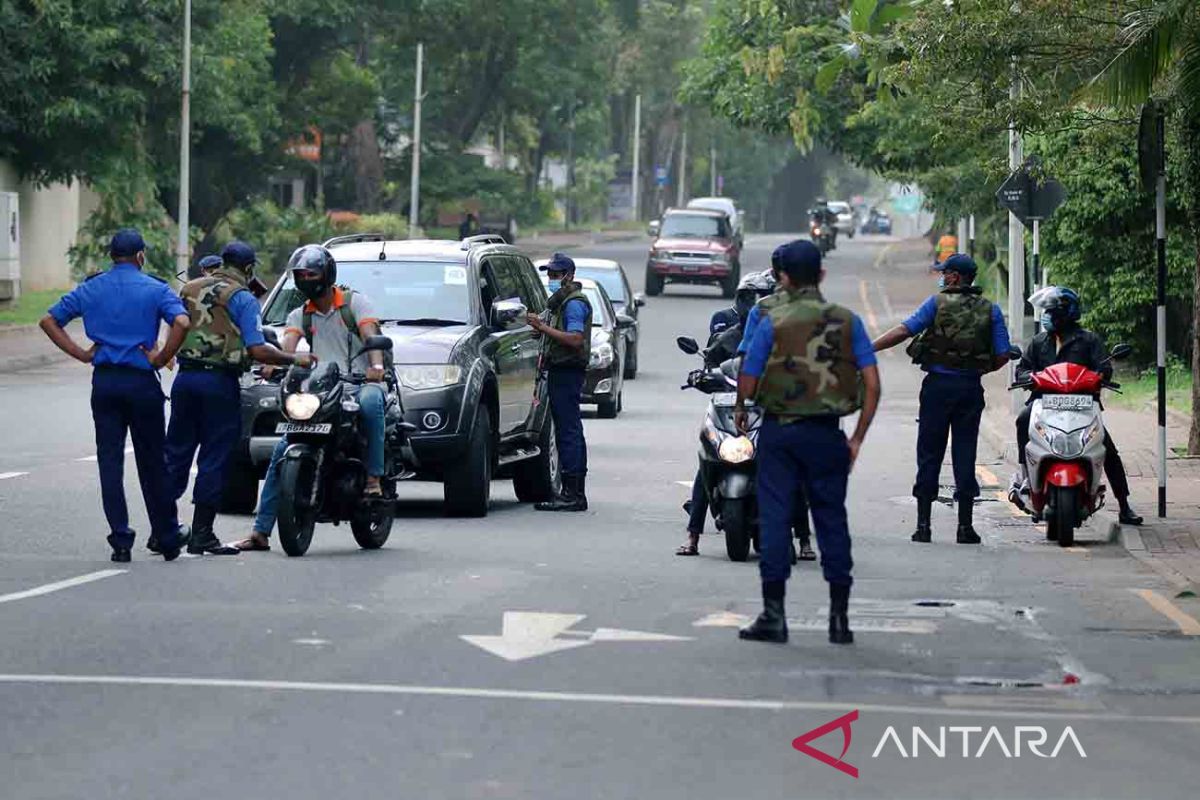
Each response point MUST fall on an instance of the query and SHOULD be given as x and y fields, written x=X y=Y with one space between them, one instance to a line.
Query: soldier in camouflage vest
x=225 y=336
x=960 y=335
x=809 y=364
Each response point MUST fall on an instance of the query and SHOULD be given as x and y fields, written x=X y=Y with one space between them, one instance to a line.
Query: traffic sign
x=1029 y=198
x=660 y=176
x=1149 y=149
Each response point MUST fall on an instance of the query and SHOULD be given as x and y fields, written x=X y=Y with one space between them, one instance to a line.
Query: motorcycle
x=727 y=457
x=323 y=470
x=1065 y=454
x=822 y=235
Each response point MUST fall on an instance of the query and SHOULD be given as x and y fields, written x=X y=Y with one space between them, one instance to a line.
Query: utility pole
x=1160 y=226
x=971 y=236
x=414 y=198
x=1016 y=240
x=712 y=169
x=183 y=248
x=637 y=152
x=568 y=216
x=680 y=192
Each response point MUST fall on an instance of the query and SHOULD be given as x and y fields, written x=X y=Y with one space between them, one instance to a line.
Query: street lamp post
x=637 y=153
x=182 y=248
x=414 y=198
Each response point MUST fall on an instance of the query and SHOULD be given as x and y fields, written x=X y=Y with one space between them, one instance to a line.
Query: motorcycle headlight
x=736 y=450
x=1067 y=445
x=602 y=356
x=428 y=376
x=816 y=231
x=301 y=406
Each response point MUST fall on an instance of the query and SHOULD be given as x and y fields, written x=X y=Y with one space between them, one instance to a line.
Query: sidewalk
x=26 y=347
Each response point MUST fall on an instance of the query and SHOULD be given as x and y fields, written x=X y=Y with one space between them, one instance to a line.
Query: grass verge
x=30 y=308
x=1140 y=390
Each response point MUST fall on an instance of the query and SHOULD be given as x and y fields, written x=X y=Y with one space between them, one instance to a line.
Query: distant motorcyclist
x=825 y=217
x=1063 y=340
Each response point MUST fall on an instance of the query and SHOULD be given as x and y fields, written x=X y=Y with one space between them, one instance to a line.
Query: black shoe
x=172 y=554
x=1128 y=516
x=152 y=544
x=839 y=620
x=571 y=499
x=771 y=624
x=924 y=532
x=122 y=555
x=967 y=535
x=203 y=540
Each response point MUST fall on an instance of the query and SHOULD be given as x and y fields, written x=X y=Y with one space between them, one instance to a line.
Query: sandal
x=252 y=545
x=687 y=549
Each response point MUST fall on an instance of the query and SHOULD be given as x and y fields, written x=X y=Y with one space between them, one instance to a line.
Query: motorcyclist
x=821 y=214
x=1064 y=340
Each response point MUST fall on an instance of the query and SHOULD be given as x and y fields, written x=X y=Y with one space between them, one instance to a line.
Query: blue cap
x=959 y=262
x=239 y=254
x=209 y=262
x=559 y=262
x=126 y=243
x=800 y=254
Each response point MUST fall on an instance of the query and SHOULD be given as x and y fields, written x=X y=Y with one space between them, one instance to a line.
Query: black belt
x=201 y=366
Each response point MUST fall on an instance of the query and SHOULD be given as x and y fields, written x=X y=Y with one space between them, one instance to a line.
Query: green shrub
x=276 y=232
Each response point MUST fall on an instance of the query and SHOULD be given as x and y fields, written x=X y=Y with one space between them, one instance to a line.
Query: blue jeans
x=566 y=392
x=206 y=412
x=811 y=455
x=131 y=401
x=372 y=400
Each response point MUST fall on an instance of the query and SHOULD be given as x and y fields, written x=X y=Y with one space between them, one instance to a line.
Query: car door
x=533 y=295
x=514 y=378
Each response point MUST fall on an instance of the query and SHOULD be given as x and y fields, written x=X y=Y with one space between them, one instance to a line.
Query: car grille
x=684 y=255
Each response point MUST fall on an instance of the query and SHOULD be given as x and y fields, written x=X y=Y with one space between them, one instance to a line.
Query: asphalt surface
x=346 y=674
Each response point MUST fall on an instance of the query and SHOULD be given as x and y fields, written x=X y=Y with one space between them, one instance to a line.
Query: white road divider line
x=57 y=586
x=6 y=475
x=670 y=701
x=128 y=451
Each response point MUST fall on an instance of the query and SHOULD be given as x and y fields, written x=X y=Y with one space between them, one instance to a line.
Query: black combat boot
x=203 y=540
x=572 y=497
x=1128 y=516
x=966 y=519
x=581 y=503
x=839 y=621
x=924 y=512
x=771 y=625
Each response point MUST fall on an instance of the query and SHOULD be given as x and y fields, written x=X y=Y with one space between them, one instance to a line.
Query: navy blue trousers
x=127 y=400
x=566 y=392
x=951 y=406
x=206 y=414
x=811 y=455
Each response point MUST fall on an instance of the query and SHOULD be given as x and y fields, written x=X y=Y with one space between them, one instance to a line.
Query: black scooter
x=323 y=471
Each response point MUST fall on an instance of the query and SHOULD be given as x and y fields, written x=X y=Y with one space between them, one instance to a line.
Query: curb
x=21 y=363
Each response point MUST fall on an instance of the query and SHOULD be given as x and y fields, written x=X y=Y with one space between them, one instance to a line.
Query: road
x=346 y=674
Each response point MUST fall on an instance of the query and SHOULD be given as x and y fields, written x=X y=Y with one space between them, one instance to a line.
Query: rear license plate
x=304 y=427
x=1068 y=402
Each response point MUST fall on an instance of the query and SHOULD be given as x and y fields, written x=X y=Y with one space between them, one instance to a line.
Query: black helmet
x=752 y=288
x=313 y=258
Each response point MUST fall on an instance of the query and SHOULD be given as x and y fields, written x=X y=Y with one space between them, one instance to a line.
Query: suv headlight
x=301 y=406
x=602 y=356
x=720 y=258
x=428 y=376
x=736 y=450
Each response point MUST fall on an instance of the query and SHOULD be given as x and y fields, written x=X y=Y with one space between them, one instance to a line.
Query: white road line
x=688 y=484
x=37 y=591
x=128 y=451
x=6 y=475
x=672 y=701
x=872 y=322
x=889 y=313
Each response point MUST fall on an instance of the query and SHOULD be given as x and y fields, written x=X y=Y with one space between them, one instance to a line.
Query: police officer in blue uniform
x=122 y=309
x=809 y=363
x=567 y=341
x=960 y=337
x=226 y=332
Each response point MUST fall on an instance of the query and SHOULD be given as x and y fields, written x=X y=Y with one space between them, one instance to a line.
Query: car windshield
x=841 y=208
x=695 y=226
x=430 y=292
x=610 y=279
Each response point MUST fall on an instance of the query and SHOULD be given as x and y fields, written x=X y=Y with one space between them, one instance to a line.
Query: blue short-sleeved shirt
x=575 y=316
x=752 y=320
x=755 y=361
x=121 y=311
x=244 y=311
x=922 y=318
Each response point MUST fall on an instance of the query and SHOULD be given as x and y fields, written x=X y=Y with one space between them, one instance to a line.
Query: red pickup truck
x=693 y=246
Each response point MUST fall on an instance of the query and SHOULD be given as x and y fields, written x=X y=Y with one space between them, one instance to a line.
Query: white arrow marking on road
x=688 y=484
x=59 y=585
x=6 y=475
x=527 y=634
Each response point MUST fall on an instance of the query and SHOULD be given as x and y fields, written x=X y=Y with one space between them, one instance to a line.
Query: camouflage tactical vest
x=961 y=334
x=559 y=355
x=213 y=337
x=811 y=371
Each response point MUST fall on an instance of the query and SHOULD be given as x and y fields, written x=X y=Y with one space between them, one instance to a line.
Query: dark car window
x=610 y=279
x=533 y=293
x=695 y=226
x=501 y=281
x=398 y=290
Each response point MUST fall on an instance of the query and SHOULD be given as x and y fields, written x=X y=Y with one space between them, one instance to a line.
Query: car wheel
x=241 y=487
x=654 y=283
x=608 y=409
x=536 y=480
x=467 y=486
x=631 y=362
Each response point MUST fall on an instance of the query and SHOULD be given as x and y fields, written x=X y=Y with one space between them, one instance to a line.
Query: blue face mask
x=554 y=285
x=1047 y=323
x=942 y=281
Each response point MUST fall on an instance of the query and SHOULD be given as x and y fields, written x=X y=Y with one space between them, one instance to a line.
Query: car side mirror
x=508 y=315
x=1121 y=351
x=688 y=345
x=1014 y=353
x=639 y=299
x=654 y=227
x=625 y=321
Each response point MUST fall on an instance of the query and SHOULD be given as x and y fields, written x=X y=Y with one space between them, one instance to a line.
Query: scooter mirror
x=1014 y=353
x=1121 y=351
x=688 y=345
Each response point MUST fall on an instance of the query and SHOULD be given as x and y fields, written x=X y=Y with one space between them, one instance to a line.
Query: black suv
x=465 y=358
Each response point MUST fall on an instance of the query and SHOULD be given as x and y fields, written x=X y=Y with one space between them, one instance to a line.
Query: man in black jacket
x=1062 y=340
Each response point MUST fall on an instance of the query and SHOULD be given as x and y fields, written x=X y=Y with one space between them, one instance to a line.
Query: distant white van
x=725 y=205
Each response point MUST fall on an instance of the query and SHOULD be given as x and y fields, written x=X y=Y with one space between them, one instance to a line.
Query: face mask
x=942 y=281
x=1047 y=323
x=554 y=286
x=311 y=289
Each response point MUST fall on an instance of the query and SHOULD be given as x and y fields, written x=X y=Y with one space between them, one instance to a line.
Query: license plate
x=1068 y=402
x=304 y=427
x=691 y=267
